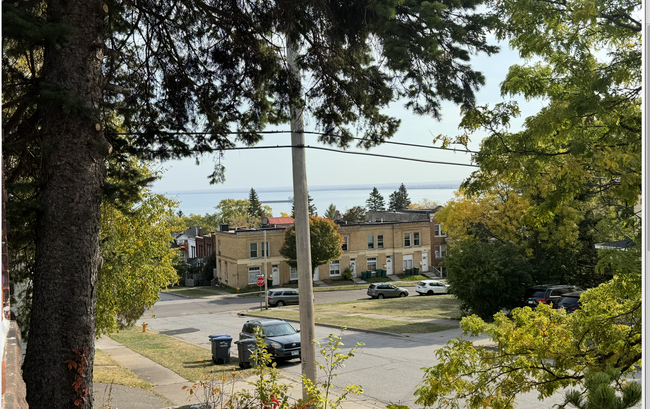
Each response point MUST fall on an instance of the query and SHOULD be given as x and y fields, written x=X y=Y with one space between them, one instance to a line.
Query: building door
x=407 y=261
x=316 y=274
x=425 y=262
x=353 y=266
x=389 y=265
x=275 y=274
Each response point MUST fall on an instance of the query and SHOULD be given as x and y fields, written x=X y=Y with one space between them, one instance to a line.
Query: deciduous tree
x=354 y=214
x=326 y=242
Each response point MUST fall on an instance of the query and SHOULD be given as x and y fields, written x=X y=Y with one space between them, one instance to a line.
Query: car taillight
x=575 y=308
x=522 y=298
x=374 y=291
x=544 y=300
x=270 y=297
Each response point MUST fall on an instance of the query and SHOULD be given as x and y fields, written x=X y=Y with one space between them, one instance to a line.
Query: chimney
x=337 y=216
x=200 y=231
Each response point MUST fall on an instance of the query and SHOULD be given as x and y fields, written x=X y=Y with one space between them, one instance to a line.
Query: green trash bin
x=364 y=275
x=409 y=271
x=416 y=271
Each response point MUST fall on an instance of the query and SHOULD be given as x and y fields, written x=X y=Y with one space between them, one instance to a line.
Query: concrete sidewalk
x=168 y=386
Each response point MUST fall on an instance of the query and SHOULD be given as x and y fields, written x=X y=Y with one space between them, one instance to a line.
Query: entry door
x=425 y=262
x=353 y=266
x=389 y=265
x=275 y=274
x=407 y=261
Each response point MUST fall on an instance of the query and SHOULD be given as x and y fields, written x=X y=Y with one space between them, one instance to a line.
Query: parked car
x=279 y=297
x=569 y=301
x=386 y=290
x=547 y=294
x=431 y=287
x=282 y=340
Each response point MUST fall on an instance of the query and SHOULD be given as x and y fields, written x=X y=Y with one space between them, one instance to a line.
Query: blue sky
x=272 y=167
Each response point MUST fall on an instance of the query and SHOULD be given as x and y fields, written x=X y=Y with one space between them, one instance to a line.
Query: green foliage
x=375 y=202
x=330 y=213
x=254 y=205
x=138 y=261
x=486 y=276
x=542 y=350
x=399 y=199
x=354 y=214
x=325 y=241
x=601 y=394
x=347 y=273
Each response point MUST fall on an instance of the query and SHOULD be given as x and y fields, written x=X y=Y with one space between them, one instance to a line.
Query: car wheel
x=380 y=296
x=402 y=294
x=280 y=304
x=430 y=292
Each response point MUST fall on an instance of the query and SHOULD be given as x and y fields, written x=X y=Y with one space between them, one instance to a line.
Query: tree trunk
x=60 y=350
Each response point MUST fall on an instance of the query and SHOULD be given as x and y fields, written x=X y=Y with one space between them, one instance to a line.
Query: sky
x=272 y=167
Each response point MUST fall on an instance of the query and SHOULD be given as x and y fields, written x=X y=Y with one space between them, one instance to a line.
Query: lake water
x=280 y=199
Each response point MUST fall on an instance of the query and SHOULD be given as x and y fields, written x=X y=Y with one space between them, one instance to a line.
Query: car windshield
x=279 y=330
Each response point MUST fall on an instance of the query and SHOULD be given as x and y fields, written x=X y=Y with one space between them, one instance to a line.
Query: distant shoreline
x=382 y=186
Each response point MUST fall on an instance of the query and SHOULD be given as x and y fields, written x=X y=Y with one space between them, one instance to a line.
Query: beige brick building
x=243 y=254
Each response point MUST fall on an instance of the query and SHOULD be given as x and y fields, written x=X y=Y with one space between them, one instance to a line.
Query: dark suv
x=569 y=301
x=546 y=294
x=282 y=339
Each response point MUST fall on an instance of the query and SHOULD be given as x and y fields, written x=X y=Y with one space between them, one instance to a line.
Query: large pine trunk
x=60 y=349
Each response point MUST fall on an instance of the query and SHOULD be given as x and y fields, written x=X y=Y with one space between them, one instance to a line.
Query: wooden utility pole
x=266 y=276
x=301 y=215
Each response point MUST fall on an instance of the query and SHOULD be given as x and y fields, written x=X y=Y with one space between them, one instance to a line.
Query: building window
x=335 y=268
x=267 y=254
x=344 y=247
x=371 y=263
x=416 y=238
x=407 y=262
x=293 y=275
x=380 y=241
x=441 y=251
x=437 y=231
x=253 y=250
x=253 y=272
x=371 y=242
x=193 y=251
x=407 y=239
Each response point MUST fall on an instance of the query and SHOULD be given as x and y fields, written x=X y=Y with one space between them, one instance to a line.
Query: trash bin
x=245 y=349
x=416 y=271
x=220 y=348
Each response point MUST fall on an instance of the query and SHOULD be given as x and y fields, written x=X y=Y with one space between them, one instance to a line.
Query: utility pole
x=301 y=214
x=265 y=249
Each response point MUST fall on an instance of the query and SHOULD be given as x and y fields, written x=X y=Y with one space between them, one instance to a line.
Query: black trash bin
x=245 y=349
x=220 y=348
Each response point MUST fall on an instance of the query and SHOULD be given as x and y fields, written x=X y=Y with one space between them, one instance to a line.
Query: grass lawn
x=106 y=370
x=187 y=360
x=432 y=307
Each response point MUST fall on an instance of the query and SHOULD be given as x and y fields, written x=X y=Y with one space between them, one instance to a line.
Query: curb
x=370 y=331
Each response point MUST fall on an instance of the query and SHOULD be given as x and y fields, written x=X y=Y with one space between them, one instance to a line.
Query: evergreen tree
x=354 y=214
x=312 y=207
x=375 y=202
x=330 y=213
x=178 y=75
x=254 y=205
x=399 y=199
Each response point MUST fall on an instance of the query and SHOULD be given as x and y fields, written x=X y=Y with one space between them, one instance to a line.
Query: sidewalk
x=168 y=392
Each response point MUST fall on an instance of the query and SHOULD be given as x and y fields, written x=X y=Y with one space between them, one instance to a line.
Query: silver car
x=279 y=297
x=385 y=290
x=431 y=287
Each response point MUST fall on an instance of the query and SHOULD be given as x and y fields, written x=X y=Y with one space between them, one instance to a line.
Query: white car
x=431 y=287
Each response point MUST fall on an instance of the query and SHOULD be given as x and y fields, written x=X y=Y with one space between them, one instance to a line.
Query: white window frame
x=371 y=243
x=371 y=261
x=335 y=268
x=253 y=271
x=293 y=274
x=437 y=231
x=344 y=246
x=250 y=250
x=441 y=251
x=416 y=239
x=380 y=241
x=407 y=236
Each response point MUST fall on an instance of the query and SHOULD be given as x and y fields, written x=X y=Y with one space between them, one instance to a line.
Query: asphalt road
x=388 y=367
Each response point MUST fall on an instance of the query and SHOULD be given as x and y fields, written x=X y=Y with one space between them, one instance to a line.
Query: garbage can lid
x=219 y=336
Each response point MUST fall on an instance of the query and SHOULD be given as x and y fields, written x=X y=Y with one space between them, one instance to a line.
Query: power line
x=310 y=133
x=351 y=153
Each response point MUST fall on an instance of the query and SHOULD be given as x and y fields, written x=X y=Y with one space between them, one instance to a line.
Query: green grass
x=432 y=307
x=187 y=360
x=107 y=370
x=412 y=278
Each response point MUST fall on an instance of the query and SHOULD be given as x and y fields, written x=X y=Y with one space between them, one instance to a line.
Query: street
x=388 y=367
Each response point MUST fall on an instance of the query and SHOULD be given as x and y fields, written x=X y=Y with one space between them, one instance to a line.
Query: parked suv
x=386 y=290
x=430 y=287
x=569 y=301
x=547 y=294
x=282 y=340
x=282 y=296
